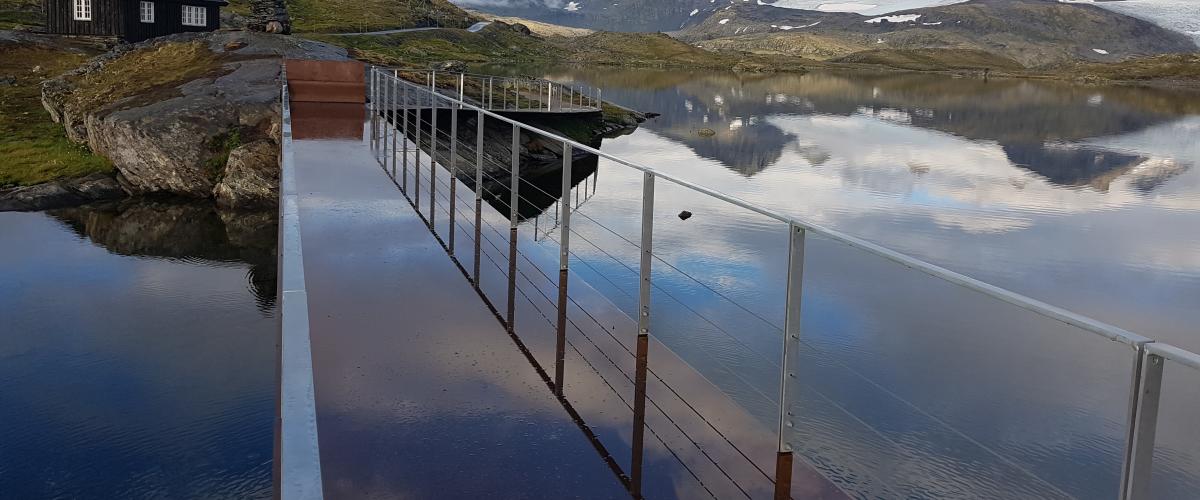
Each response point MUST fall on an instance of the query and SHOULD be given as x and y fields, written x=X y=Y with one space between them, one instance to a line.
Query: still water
x=137 y=352
x=1084 y=197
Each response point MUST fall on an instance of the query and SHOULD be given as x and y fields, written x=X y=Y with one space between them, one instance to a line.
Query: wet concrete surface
x=420 y=392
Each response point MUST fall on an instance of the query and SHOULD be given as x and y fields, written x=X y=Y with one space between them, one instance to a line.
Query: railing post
x=791 y=354
x=517 y=96
x=549 y=95
x=560 y=348
x=453 y=174
x=513 y=213
x=404 y=147
x=1143 y=425
x=417 y=153
x=374 y=105
x=491 y=103
x=388 y=138
x=462 y=86
x=433 y=161
x=643 y=335
x=394 y=124
x=478 y=192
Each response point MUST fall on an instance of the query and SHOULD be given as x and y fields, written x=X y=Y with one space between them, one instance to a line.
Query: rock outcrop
x=251 y=177
x=62 y=193
x=182 y=136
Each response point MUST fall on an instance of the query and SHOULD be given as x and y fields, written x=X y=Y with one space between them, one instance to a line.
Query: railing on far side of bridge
x=397 y=127
x=508 y=93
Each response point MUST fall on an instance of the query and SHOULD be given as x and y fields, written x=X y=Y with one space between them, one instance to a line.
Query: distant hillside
x=1035 y=33
x=537 y=27
x=610 y=15
x=340 y=16
x=671 y=15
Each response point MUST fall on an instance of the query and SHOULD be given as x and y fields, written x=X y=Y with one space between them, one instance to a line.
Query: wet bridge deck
x=400 y=379
x=420 y=393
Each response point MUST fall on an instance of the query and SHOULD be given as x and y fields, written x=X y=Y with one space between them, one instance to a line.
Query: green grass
x=20 y=14
x=494 y=44
x=350 y=16
x=33 y=149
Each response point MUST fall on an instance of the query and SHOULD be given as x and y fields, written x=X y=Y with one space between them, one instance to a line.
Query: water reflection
x=1085 y=197
x=136 y=352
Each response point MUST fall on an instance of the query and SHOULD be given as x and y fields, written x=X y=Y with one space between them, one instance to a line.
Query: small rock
x=685 y=215
x=235 y=45
x=706 y=132
x=37 y=69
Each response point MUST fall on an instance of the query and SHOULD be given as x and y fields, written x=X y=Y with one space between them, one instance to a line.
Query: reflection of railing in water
x=588 y=190
x=507 y=93
x=1148 y=360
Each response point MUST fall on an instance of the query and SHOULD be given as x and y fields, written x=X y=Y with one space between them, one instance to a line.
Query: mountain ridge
x=1035 y=33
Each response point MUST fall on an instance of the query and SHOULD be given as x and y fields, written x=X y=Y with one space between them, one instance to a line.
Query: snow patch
x=694 y=12
x=1100 y=51
x=572 y=6
x=723 y=21
x=901 y=18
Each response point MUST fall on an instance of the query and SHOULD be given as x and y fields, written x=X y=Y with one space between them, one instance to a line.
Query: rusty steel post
x=513 y=203
x=478 y=192
x=453 y=174
x=643 y=335
x=433 y=155
x=560 y=348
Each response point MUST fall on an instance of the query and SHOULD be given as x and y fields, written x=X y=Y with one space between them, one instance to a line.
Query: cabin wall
x=122 y=18
x=107 y=18
x=168 y=19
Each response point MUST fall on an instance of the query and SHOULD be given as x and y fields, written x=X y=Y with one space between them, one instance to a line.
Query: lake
x=137 y=352
x=1084 y=197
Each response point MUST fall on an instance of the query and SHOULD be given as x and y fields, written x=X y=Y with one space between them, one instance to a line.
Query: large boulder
x=251 y=177
x=178 y=135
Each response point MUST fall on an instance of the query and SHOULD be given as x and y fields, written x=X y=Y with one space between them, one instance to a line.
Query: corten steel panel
x=327 y=81
x=420 y=393
x=320 y=120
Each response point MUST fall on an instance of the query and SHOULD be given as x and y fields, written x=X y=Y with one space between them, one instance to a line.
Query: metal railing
x=392 y=99
x=507 y=93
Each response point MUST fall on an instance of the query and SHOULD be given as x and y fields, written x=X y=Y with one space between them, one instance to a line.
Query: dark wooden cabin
x=132 y=20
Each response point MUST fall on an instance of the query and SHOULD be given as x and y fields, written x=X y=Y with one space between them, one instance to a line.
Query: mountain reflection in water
x=1085 y=197
x=137 y=352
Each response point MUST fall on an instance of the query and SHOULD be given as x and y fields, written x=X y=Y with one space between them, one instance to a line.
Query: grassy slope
x=1181 y=69
x=20 y=13
x=351 y=16
x=418 y=48
x=933 y=59
x=33 y=149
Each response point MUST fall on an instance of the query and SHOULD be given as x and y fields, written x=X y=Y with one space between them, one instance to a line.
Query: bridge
x=447 y=329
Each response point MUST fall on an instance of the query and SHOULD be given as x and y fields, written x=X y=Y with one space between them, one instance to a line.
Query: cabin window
x=195 y=16
x=83 y=10
x=147 y=11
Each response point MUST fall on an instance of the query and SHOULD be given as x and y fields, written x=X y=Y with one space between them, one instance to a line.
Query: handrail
x=1176 y=354
x=1111 y=332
